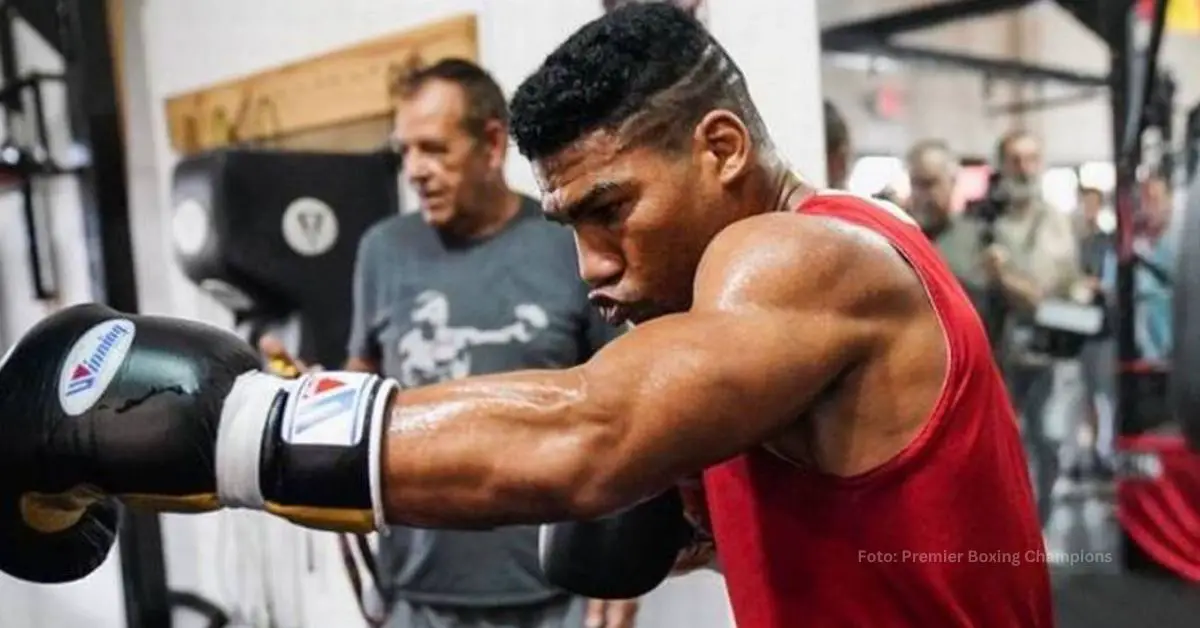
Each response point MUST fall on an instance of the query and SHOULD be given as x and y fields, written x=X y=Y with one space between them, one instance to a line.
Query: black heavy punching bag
x=273 y=235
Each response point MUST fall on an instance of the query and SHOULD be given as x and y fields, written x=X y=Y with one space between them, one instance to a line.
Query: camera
x=988 y=209
x=1058 y=327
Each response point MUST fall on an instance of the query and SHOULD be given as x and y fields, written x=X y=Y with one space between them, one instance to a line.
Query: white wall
x=187 y=45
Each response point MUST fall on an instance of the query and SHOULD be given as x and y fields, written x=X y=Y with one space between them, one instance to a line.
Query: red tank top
x=945 y=534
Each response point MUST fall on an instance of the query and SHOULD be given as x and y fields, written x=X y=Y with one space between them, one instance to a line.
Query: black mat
x=1125 y=600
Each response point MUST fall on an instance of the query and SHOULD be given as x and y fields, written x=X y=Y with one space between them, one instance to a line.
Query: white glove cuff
x=379 y=426
x=240 y=438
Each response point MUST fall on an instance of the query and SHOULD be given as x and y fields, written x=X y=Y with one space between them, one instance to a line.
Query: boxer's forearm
x=536 y=446
x=516 y=448
x=665 y=400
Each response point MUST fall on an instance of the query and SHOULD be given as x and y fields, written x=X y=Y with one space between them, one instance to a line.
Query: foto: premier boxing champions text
x=996 y=557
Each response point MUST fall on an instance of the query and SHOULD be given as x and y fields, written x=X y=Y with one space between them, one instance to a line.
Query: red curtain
x=1158 y=501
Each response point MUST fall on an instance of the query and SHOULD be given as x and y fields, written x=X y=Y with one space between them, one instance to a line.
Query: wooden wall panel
x=334 y=90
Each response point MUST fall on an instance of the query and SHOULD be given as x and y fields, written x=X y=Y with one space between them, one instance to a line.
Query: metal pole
x=1133 y=49
x=1122 y=52
x=1134 y=52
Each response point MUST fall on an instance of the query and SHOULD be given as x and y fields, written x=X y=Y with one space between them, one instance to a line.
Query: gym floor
x=1102 y=600
x=1100 y=594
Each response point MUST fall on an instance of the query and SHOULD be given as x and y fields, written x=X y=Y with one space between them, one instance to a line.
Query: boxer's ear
x=726 y=144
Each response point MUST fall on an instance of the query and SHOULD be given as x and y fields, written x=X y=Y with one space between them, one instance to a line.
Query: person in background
x=476 y=282
x=1034 y=257
x=932 y=169
x=1154 y=250
x=837 y=148
x=1093 y=456
x=1095 y=243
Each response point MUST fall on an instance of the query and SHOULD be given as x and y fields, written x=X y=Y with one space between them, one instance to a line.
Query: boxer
x=809 y=353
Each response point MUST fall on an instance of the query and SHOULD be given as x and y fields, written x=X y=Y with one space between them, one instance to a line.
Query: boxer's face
x=643 y=216
x=445 y=163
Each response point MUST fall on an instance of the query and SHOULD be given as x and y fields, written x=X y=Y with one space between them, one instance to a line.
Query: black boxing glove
x=172 y=415
x=620 y=556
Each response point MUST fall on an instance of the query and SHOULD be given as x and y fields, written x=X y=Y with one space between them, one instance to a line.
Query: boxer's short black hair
x=484 y=99
x=649 y=71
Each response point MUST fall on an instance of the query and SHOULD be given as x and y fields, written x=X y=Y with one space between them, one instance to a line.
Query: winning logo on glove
x=92 y=363
x=327 y=409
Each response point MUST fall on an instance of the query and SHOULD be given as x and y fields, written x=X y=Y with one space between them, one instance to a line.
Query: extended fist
x=91 y=390
x=169 y=415
x=620 y=556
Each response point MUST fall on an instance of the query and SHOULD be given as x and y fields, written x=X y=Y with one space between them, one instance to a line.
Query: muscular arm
x=782 y=305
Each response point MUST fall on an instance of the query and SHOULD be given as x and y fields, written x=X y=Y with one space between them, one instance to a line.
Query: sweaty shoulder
x=793 y=261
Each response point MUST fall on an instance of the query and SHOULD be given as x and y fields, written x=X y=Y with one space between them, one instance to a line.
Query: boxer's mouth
x=612 y=311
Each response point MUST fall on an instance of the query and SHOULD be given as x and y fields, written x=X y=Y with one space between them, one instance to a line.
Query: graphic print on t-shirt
x=433 y=351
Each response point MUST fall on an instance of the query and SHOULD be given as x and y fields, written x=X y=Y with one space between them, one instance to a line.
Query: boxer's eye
x=608 y=214
x=605 y=214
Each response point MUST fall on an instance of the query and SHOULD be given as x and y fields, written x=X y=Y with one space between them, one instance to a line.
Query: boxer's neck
x=787 y=189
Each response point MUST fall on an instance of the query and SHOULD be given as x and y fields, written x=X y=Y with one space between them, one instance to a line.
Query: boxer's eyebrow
x=572 y=211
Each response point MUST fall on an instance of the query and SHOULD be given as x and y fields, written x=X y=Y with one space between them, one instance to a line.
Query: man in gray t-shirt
x=428 y=312
x=477 y=282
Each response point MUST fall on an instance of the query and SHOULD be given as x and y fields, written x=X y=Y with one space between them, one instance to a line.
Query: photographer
x=1031 y=255
x=932 y=170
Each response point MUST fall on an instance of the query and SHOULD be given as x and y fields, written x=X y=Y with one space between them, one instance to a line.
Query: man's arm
x=361 y=347
x=782 y=306
x=1067 y=270
x=1019 y=290
x=361 y=365
x=1056 y=271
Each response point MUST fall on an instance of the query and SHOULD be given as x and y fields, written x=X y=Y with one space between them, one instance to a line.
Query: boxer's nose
x=598 y=265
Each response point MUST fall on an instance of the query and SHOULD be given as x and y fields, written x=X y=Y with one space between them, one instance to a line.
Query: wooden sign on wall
x=338 y=88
